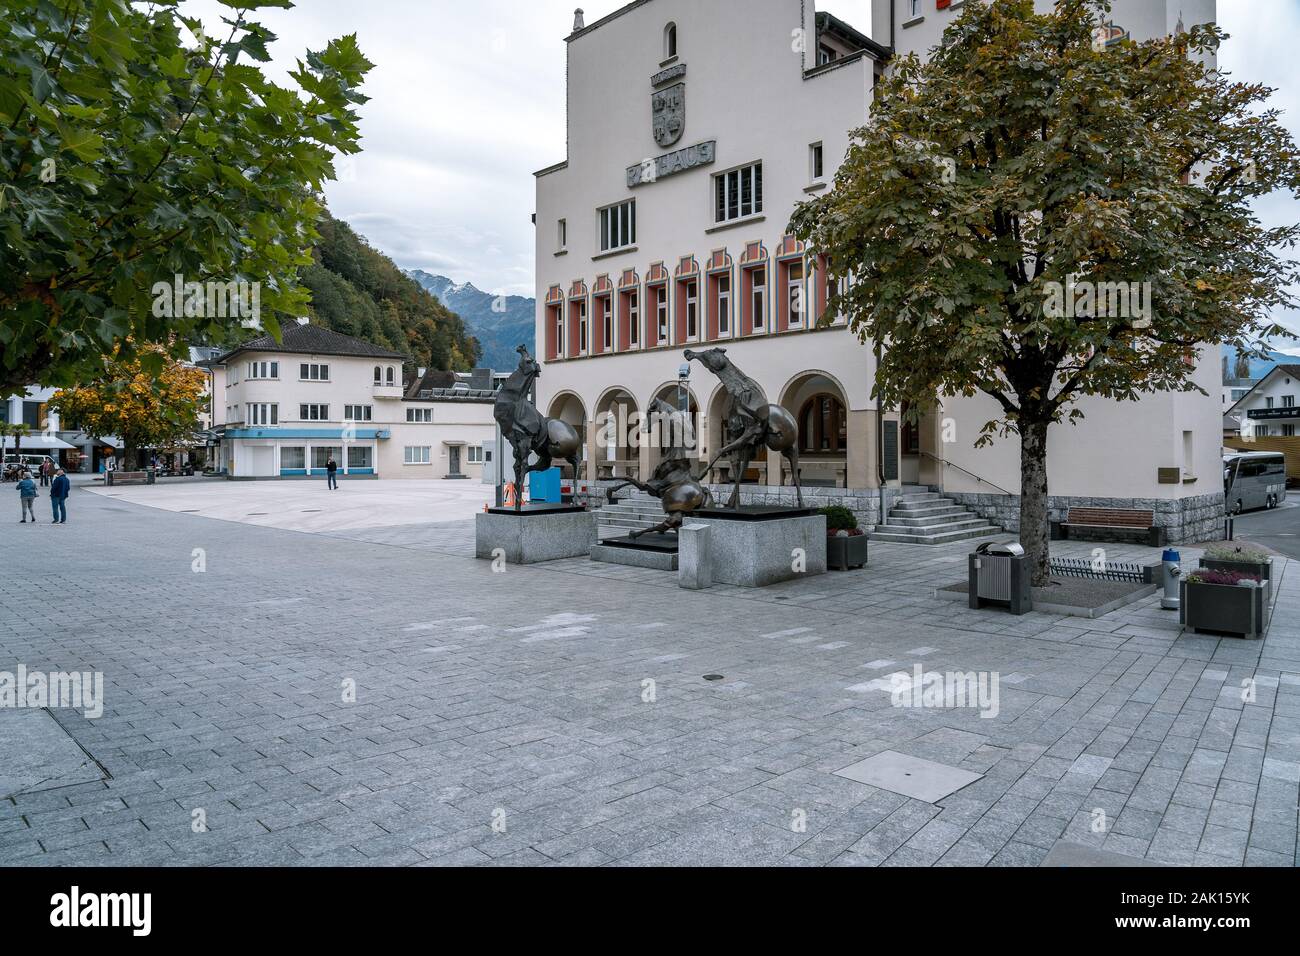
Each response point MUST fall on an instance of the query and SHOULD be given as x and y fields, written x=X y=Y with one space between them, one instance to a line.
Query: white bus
x=1254 y=479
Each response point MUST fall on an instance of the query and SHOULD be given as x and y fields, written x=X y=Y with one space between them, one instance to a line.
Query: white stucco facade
x=744 y=83
x=285 y=413
x=1272 y=408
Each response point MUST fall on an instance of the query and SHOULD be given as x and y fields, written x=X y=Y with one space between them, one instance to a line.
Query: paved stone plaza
x=503 y=717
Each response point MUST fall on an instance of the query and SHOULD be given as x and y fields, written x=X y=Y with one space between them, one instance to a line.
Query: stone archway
x=820 y=406
x=617 y=442
x=569 y=408
x=715 y=437
x=657 y=435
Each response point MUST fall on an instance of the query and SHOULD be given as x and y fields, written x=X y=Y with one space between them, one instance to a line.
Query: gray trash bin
x=999 y=575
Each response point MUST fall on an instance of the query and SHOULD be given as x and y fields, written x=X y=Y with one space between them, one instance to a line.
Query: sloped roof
x=313 y=340
x=1292 y=370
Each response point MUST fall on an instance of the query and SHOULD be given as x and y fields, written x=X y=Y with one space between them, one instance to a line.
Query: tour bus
x=1254 y=479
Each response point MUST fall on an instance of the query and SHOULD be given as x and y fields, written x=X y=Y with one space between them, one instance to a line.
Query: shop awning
x=36 y=442
x=81 y=438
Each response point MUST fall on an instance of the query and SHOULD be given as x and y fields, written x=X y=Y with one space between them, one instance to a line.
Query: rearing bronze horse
x=678 y=489
x=527 y=430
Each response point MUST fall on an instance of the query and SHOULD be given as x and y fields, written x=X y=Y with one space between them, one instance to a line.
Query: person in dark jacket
x=59 y=496
x=27 y=492
x=331 y=473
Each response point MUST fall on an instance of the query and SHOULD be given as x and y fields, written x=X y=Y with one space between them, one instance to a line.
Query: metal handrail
x=944 y=461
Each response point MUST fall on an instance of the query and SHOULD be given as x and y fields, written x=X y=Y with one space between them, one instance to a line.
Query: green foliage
x=1228 y=552
x=359 y=291
x=134 y=148
x=1020 y=158
x=1068 y=161
x=839 y=518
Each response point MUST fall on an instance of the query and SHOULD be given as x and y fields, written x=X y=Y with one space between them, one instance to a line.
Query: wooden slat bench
x=127 y=478
x=1112 y=519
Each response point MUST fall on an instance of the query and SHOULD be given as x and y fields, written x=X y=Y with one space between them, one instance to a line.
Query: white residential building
x=1271 y=409
x=694 y=129
x=290 y=406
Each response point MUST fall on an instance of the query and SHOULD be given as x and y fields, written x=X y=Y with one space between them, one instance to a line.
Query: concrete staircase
x=634 y=510
x=921 y=516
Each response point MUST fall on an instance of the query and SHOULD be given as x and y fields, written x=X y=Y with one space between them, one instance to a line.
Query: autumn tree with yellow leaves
x=147 y=398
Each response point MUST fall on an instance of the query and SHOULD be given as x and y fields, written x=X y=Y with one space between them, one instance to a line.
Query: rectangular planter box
x=1256 y=569
x=1223 y=608
x=845 y=553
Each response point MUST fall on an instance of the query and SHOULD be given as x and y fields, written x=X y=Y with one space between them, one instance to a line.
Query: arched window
x=378 y=378
x=389 y=378
x=823 y=425
x=670 y=41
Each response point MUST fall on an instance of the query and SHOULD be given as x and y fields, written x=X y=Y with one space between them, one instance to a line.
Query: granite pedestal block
x=695 y=557
x=755 y=550
x=535 y=534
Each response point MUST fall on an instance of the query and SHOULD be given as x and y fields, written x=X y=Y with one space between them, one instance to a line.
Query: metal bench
x=128 y=478
x=1110 y=519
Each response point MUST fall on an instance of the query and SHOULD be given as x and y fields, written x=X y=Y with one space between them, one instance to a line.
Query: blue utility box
x=545 y=486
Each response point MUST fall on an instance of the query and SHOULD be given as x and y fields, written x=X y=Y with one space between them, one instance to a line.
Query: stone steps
x=927 y=517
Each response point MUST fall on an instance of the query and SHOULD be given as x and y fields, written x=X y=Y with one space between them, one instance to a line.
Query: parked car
x=15 y=465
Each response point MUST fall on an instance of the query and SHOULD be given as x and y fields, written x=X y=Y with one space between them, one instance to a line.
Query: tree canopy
x=135 y=149
x=1028 y=161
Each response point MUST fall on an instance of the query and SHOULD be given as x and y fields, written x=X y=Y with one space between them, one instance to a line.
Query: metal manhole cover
x=910 y=776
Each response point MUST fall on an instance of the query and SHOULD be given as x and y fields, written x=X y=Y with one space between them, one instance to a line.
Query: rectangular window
x=724 y=305
x=314 y=413
x=1288 y=401
x=794 y=295
x=562 y=234
x=739 y=193
x=358 y=413
x=661 y=312
x=311 y=372
x=294 y=458
x=607 y=322
x=758 y=300
x=633 y=318
x=692 y=311
x=420 y=416
x=1288 y=431
x=475 y=455
x=359 y=456
x=582 y=327
x=1268 y=402
x=417 y=454
x=263 y=370
x=261 y=413
x=320 y=457
x=618 y=226
x=816 y=167
x=825 y=55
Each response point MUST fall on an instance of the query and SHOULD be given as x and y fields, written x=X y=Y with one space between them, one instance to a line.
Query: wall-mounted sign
x=668 y=114
x=701 y=154
x=668 y=75
x=1267 y=414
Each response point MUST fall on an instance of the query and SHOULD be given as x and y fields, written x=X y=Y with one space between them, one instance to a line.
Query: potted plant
x=1227 y=557
x=846 y=543
x=1223 y=602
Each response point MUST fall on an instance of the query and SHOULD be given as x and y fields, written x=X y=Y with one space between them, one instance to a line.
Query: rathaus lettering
x=701 y=154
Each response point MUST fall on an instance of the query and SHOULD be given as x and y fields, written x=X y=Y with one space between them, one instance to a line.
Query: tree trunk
x=1034 y=525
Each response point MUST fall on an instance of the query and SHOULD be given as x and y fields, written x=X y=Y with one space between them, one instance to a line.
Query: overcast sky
x=467 y=101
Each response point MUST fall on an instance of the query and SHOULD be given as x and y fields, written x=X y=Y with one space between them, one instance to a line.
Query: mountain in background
x=359 y=291
x=500 y=323
x=1258 y=367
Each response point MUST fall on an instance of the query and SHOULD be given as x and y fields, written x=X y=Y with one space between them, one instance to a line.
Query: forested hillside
x=359 y=291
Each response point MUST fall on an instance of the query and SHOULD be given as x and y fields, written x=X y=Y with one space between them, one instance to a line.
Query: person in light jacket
x=59 y=496
x=27 y=493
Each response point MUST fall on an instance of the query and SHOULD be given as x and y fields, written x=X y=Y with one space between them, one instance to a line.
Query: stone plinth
x=695 y=557
x=756 y=547
x=535 y=534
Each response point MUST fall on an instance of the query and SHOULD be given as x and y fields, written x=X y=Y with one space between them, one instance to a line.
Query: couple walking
x=59 y=489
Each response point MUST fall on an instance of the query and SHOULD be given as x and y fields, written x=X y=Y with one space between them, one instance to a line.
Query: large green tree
x=135 y=148
x=1028 y=158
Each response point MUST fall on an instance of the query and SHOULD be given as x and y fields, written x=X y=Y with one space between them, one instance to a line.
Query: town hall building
x=693 y=131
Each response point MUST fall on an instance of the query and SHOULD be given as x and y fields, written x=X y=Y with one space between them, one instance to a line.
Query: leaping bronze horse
x=527 y=430
x=678 y=489
x=749 y=422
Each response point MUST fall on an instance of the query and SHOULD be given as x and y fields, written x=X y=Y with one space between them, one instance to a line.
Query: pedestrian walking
x=331 y=473
x=27 y=492
x=59 y=496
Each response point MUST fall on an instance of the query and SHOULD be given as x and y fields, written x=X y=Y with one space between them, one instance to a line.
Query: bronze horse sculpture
x=749 y=422
x=527 y=430
x=680 y=491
